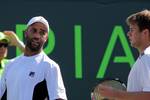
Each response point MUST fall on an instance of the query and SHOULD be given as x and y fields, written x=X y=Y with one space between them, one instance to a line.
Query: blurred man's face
x=134 y=35
x=3 y=49
x=36 y=36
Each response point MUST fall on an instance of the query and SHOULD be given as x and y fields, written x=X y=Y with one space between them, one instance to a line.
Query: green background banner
x=87 y=38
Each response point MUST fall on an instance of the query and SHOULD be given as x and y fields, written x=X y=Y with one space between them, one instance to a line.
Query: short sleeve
x=145 y=74
x=55 y=83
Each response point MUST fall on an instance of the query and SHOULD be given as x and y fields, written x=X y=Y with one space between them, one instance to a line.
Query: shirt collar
x=146 y=51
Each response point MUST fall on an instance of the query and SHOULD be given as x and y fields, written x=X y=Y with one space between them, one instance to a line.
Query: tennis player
x=33 y=75
x=138 y=87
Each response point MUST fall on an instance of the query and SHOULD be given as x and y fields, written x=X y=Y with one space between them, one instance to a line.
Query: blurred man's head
x=139 y=32
x=3 y=45
x=141 y=19
x=36 y=33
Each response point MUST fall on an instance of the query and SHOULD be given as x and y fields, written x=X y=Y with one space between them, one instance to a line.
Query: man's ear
x=46 y=37
x=25 y=32
x=146 y=34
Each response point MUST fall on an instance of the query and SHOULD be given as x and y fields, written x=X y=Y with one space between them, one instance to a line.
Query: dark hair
x=142 y=19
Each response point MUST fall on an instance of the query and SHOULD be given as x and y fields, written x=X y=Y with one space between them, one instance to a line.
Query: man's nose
x=128 y=34
x=36 y=35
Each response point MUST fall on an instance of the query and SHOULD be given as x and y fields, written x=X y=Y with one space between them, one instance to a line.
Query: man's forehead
x=133 y=25
x=38 y=25
x=40 y=19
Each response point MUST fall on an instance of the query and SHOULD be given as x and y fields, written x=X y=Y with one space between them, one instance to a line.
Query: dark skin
x=36 y=36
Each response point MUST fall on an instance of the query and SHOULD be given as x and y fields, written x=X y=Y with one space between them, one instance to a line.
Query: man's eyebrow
x=131 y=28
x=43 y=30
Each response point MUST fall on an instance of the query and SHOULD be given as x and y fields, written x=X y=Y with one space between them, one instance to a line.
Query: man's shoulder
x=13 y=60
x=10 y=63
x=49 y=61
x=145 y=59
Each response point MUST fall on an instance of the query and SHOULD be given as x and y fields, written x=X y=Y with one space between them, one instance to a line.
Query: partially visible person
x=14 y=40
x=33 y=75
x=8 y=38
x=138 y=87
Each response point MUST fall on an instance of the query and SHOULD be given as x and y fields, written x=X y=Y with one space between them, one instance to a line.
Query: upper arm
x=144 y=74
x=55 y=83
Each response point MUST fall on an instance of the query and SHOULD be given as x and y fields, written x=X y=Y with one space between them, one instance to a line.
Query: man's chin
x=133 y=45
x=34 y=49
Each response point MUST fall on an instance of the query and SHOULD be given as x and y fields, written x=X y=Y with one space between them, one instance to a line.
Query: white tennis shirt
x=24 y=74
x=139 y=76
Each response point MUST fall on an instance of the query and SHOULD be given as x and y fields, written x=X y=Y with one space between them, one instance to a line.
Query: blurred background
x=87 y=38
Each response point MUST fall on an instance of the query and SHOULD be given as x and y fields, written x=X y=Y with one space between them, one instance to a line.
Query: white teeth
x=35 y=43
